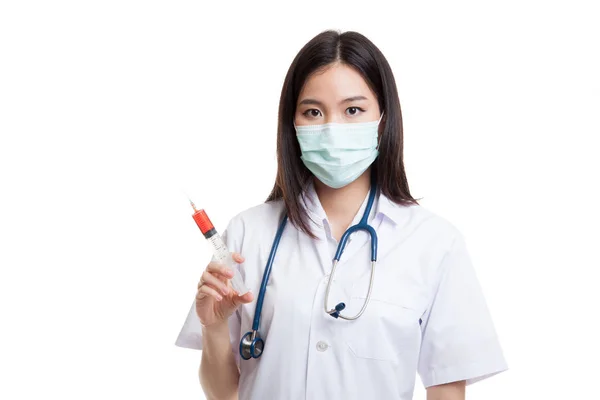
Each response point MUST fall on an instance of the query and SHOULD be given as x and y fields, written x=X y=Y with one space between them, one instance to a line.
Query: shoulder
x=426 y=226
x=436 y=223
x=435 y=241
x=444 y=243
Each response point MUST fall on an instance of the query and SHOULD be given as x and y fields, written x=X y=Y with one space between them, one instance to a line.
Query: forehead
x=335 y=82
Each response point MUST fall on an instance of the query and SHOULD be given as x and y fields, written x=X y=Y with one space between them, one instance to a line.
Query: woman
x=339 y=139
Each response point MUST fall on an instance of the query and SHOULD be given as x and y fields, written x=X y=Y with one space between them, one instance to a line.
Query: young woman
x=352 y=329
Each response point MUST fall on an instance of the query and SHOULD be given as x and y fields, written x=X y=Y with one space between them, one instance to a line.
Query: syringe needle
x=192 y=203
x=190 y=200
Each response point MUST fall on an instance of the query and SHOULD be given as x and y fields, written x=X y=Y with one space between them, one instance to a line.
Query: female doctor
x=352 y=328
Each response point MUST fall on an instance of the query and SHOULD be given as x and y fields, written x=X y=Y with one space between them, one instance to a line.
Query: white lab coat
x=427 y=314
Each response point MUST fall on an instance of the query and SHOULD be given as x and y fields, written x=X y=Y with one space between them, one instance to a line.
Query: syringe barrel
x=222 y=255
x=220 y=250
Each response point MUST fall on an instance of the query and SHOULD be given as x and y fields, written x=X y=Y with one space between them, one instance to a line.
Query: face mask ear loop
x=379 y=138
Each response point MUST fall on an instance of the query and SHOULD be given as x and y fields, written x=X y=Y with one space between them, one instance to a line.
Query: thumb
x=237 y=257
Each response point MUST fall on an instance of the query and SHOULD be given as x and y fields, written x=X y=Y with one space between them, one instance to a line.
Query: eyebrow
x=318 y=103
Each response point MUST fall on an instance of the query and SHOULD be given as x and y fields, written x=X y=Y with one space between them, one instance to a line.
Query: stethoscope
x=251 y=345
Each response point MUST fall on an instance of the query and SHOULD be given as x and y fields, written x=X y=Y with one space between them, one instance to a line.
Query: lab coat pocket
x=388 y=326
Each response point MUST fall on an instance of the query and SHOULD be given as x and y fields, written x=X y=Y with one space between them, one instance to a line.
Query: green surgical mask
x=337 y=154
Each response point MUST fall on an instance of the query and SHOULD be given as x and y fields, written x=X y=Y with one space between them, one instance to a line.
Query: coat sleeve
x=459 y=341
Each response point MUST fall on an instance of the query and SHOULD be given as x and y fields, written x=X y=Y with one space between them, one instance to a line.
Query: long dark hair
x=354 y=50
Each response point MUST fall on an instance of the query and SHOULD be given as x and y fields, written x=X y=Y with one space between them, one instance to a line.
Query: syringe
x=220 y=250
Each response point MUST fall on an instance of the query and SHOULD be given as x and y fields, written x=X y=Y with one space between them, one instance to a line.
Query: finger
x=246 y=298
x=221 y=269
x=207 y=290
x=211 y=280
x=238 y=258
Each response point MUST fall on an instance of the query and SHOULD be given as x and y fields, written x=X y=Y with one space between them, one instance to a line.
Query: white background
x=108 y=109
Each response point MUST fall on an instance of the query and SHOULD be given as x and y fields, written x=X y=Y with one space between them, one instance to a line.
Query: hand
x=216 y=299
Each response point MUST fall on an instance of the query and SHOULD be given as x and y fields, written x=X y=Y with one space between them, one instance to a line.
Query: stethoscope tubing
x=267 y=273
x=361 y=226
x=251 y=345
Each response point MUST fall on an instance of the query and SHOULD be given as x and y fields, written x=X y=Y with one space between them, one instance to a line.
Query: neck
x=341 y=205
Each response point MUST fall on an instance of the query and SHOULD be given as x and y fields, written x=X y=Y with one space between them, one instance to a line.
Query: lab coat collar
x=393 y=212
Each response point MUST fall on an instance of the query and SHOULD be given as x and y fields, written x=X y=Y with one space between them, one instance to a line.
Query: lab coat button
x=322 y=346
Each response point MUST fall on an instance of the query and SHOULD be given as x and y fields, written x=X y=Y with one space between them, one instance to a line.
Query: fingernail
x=219 y=297
x=225 y=291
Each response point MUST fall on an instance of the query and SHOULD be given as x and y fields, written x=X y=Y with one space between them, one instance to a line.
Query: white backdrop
x=108 y=109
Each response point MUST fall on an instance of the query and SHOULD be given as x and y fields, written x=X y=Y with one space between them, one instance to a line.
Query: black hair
x=358 y=52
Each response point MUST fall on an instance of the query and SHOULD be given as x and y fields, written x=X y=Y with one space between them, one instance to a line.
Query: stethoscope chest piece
x=251 y=346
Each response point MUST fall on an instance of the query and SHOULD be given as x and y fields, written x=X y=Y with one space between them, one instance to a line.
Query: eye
x=312 y=112
x=354 y=110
